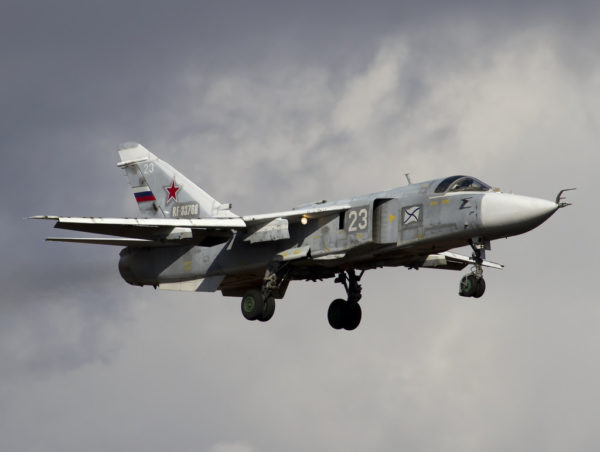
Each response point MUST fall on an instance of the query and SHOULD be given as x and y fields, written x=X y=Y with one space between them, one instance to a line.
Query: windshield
x=461 y=183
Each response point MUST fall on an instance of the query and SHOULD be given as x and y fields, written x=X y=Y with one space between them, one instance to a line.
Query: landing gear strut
x=473 y=284
x=347 y=314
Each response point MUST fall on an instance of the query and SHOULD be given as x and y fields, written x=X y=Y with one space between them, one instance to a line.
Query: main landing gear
x=347 y=314
x=255 y=306
x=259 y=304
x=473 y=284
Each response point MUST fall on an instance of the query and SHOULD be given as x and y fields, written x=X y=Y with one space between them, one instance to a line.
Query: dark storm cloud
x=309 y=98
x=105 y=55
x=104 y=65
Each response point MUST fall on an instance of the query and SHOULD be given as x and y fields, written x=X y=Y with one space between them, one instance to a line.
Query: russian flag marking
x=144 y=196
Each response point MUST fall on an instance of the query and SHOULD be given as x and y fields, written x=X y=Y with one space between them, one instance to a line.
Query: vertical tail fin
x=162 y=191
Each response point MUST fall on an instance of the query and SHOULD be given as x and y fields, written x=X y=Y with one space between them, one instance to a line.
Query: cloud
x=482 y=109
x=369 y=96
x=62 y=323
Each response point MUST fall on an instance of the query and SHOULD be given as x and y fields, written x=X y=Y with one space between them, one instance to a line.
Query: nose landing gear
x=347 y=314
x=473 y=284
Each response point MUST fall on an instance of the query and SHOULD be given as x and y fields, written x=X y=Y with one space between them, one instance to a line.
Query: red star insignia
x=172 y=191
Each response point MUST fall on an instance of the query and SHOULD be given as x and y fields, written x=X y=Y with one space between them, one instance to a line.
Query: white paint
x=499 y=210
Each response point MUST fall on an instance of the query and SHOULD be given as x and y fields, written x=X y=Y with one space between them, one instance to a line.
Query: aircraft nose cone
x=507 y=214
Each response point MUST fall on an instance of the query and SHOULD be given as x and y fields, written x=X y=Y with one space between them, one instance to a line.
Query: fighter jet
x=185 y=240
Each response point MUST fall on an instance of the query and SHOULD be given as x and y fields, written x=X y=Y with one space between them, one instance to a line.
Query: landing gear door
x=385 y=221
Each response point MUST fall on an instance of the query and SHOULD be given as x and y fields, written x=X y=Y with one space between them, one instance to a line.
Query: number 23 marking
x=359 y=219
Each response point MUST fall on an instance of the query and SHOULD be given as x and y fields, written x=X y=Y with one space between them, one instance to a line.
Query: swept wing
x=161 y=231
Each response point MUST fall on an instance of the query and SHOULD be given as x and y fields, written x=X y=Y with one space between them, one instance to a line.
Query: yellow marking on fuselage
x=420 y=236
x=392 y=217
x=445 y=201
x=433 y=203
x=187 y=266
x=359 y=236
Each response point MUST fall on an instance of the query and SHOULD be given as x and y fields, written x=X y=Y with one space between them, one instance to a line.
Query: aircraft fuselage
x=391 y=228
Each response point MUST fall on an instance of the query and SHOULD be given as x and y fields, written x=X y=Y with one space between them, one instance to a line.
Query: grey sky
x=267 y=105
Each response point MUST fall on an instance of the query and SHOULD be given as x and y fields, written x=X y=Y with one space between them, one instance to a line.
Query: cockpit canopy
x=461 y=183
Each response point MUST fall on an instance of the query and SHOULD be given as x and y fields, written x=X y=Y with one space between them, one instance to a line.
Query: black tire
x=335 y=314
x=468 y=286
x=352 y=315
x=480 y=289
x=269 y=309
x=253 y=305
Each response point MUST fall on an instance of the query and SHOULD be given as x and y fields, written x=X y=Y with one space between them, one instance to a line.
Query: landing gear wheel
x=269 y=309
x=253 y=305
x=480 y=289
x=335 y=314
x=468 y=286
x=352 y=315
x=347 y=313
x=344 y=314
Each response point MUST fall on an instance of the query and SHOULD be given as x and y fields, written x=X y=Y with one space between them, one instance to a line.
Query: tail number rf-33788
x=185 y=210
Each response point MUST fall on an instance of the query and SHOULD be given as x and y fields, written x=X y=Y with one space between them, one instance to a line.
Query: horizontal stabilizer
x=229 y=223
x=145 y=228
x=115 y=242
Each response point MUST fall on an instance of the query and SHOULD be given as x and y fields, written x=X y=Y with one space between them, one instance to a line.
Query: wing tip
x=43 y=217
